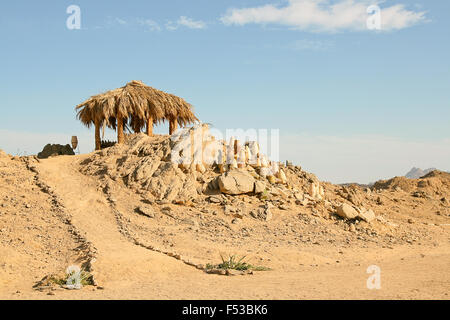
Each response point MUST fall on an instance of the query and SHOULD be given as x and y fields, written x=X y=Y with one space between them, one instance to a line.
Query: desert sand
x=151 y=238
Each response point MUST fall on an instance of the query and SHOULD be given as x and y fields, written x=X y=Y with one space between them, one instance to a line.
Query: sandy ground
x=51 y=216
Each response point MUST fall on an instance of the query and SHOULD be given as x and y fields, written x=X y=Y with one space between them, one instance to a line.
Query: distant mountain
x=416 y=173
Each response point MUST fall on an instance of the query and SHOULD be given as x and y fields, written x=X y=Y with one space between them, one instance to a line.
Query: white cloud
x=149 y=24
x=363 y=158
x=190 y=23
x=185 y=22
x=324 y=15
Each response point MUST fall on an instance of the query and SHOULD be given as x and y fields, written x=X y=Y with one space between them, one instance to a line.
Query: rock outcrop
x=236 y=182
x=51 y=150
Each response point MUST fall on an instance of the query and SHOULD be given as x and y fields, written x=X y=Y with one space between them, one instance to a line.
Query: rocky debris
x=419 y=194
x=268 y=214
x=346 y=211
x=349 y=212
x=299 y=196
x=316 y=191
x=260 y=187
x=304 y=202
x=366 y=215
x=146 y=211
x=262 y=213
x=221 y=272
x=228 y=209
x=353 y=194
x=236 y=182
x=51 y=150
x=218 y=199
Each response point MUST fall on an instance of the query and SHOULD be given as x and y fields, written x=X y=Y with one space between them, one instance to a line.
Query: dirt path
x=118 y=259
x=129 y=271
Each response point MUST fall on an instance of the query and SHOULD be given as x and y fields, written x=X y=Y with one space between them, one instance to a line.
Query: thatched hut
x=137 y=105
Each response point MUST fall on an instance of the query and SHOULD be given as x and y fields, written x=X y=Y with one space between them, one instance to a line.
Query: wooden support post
x=173 y=124
x=136 y=128
x=120 y=133
x=150 y=126
x=98 y=142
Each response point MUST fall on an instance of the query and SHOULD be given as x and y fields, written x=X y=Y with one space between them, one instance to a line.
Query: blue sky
x=351 y=104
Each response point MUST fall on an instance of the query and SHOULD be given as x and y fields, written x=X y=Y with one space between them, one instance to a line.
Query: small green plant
x=72 y=278
x=85 y=278
x=57 y=280
x=235 y=263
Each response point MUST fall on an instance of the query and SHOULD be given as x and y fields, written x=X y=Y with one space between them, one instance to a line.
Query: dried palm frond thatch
x=136 y=105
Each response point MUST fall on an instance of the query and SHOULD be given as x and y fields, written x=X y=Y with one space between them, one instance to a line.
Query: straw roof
x=135 y=103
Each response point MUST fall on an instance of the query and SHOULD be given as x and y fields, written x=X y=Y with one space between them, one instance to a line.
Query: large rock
x=236 y=182
x=347 y=211
x=260 y=187
x=51 y=150
x=367 y=215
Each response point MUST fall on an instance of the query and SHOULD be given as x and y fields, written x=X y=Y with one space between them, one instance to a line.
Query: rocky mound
x=435 y=183
x=396 y=183
x=51 y=150
x=445 y=176
x=155 y=168
x=146 y=165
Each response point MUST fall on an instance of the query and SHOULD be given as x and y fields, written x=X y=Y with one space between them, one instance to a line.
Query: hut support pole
x=150 y=126
x=98 y=144
x=136 y=129
x=120 y=134
x=173 y=125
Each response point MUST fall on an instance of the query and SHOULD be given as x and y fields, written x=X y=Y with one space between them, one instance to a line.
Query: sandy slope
x=126 y=269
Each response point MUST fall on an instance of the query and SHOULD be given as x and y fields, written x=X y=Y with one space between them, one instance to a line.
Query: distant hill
x=416 y=173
